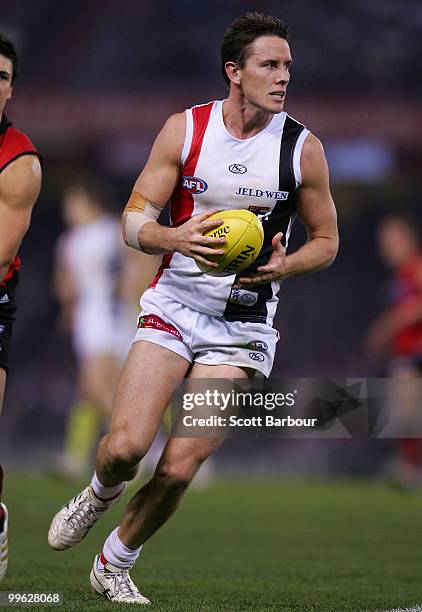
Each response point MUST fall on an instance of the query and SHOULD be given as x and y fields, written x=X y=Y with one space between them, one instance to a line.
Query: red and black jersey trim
x=278 y=220
x=13 y=144
x=11 y=277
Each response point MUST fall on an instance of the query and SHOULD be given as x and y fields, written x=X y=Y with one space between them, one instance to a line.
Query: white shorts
x=98 y=331
x=204 y=338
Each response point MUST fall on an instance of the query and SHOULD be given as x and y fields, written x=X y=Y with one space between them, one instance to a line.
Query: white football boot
x=3 y=544
x=115 y=584
x=75 y=519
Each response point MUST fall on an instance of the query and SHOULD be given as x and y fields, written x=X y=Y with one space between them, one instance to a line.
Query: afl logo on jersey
x=238 y=169
x=258 y=345
x=194 y=185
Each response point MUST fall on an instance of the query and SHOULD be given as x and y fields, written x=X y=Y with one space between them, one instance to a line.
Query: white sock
x=116 y=553
x=105 y=493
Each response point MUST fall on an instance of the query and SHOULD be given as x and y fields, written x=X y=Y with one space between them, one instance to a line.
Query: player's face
x=78 y=207
x=6 y=71
x=266 y=73
x=396 y=242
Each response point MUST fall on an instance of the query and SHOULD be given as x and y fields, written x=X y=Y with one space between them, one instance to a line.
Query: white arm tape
x=134 y=222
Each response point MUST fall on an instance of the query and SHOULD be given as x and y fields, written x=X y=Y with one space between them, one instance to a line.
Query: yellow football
x=244 y=236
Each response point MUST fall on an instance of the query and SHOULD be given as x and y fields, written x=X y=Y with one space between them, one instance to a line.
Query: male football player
x=20 y=183
x=244 y=152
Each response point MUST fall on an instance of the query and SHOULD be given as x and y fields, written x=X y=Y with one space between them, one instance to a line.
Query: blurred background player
x=397 y=334
x=98 y=294
x=20 y=183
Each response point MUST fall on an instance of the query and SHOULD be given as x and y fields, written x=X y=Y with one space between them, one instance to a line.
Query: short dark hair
x=240 y=35
x=406 y=219
x=8 y=50
x=94 y=188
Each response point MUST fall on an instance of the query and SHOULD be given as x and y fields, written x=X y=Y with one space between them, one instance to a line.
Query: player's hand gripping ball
x=244 y=236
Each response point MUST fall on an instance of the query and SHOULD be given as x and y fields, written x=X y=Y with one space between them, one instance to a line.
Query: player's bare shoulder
x=159 y=177
x=20 y=181
x=313 y=163
x=171 y=138
x=175 y=125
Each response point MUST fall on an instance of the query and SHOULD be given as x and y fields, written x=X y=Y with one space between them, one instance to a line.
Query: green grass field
x=238 y=546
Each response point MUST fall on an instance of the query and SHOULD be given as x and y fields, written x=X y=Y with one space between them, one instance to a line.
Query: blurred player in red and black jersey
x=397 y=332
x=20 y=182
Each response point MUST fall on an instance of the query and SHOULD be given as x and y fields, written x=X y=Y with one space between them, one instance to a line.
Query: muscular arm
x=63 y=285
x=156 y=184
x=20 y=185
x=315 y=207
x=158 y=180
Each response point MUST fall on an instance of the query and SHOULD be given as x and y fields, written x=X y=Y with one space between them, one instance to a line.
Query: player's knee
x=123 y=451
x=175 y=477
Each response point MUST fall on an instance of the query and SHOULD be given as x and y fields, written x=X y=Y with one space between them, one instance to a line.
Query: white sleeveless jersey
x=92 y=253
x=221 y=172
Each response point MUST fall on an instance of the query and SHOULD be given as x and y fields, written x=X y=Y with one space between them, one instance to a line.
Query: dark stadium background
x=97 y=80
x=308 y=525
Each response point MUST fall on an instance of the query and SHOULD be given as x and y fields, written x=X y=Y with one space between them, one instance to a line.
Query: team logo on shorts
x=258 y=345
x=243 y=297
x=238 y=169
x=257 y=356
x=151 y=321
x=194 y=185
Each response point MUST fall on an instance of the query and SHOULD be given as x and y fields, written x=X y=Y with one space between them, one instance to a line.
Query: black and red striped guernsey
x=13 y=144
